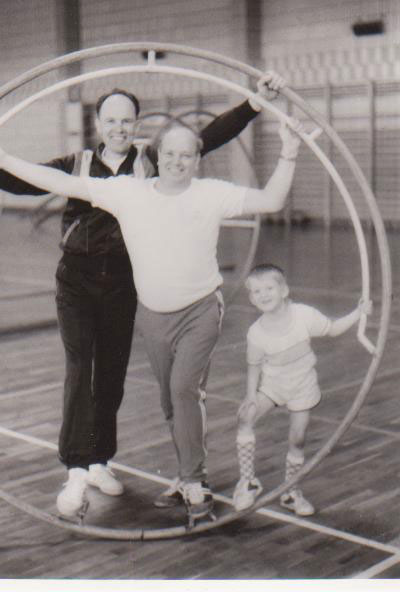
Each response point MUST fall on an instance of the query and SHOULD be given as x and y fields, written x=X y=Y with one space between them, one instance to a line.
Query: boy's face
x=267 y=293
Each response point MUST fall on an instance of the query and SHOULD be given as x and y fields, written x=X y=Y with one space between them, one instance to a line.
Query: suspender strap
x=82 y=163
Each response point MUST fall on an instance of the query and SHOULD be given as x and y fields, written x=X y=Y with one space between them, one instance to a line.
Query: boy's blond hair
x=264 y=269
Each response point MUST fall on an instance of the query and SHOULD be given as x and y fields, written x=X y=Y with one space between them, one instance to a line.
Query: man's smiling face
x=178 y=157
x=116 y=124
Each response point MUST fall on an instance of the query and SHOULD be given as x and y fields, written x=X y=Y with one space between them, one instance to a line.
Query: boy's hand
x=365 y=306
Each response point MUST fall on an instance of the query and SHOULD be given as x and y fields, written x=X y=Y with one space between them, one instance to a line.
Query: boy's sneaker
x=171 y=497
x=198 y=498
x=246 y=492
x=296 y=502
x=72 y=497
x=102 y=477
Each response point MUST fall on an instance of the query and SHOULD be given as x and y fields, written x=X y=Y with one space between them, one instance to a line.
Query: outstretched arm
x=343 y=324
x=17 y=186
x=44 y=177
x=230 y=124
x=272 y=198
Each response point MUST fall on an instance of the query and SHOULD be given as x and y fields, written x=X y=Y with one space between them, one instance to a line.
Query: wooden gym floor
x=355 y=532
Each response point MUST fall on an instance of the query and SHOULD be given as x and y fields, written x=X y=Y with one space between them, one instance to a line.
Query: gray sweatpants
x=179 y=346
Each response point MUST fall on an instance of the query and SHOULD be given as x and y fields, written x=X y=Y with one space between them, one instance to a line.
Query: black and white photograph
x=199 y=295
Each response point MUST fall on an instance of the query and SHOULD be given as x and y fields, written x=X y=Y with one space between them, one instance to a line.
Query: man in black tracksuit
x=96 y=297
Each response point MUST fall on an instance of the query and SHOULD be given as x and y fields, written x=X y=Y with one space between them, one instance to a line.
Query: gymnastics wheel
x=376 y=350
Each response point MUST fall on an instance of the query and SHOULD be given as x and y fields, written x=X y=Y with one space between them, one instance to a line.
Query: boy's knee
x=245 y=437
x=247 y=413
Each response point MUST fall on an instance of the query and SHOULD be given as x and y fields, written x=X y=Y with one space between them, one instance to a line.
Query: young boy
x=281 y=372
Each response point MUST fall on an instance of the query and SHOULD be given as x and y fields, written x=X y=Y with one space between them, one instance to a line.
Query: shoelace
x=194 y=493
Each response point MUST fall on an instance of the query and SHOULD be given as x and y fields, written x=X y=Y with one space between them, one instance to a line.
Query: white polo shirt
x=171 y=239
x=288 y=362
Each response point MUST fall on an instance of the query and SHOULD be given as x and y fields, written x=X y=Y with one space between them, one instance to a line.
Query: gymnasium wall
x=310 y=42
x=28 y=37
x=354 y=81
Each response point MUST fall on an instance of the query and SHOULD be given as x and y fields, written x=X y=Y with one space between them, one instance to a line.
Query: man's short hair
x=266 y=268
x=178 y=125
x=118 y=91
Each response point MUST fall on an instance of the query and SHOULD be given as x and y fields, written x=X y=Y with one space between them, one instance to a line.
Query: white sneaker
x=198 y=497
x=102 y=477
x=245 y=493
x=170 y=497
x=72 y=497
x=296 y=502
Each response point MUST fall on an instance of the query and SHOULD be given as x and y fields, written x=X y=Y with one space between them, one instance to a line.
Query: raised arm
x=230 y=124
x=272 y=198
x=46 y=178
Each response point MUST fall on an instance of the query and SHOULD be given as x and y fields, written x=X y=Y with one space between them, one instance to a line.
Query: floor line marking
x=25 y=295
x=229 y=346
x=378 y=568
x=31 y=390
x=380 y=376
x=383 y=375
x=145 y=365
x=301 y=522
x=360 y=426
x=329 y=390
x=27 y=438
x=28 y=281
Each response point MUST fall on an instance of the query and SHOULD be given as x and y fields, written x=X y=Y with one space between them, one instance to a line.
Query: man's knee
x=185 y=388
x=167 y=409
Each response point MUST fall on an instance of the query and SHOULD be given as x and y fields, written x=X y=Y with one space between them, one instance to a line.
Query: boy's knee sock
x=246 y=446
x=293 y=466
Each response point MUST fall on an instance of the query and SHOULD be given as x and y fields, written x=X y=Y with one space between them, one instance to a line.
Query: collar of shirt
x=125 y=166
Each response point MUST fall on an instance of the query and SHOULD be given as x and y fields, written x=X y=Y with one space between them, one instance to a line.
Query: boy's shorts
x=302 y=402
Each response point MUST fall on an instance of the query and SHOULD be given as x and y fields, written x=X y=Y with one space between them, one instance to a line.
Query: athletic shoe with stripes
x=198 y=498
x=72 y=498
x=102 y=477
x=297 y=503
x=171 y=497
x=246 y=492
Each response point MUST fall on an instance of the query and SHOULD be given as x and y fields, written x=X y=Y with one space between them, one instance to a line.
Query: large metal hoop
x=309 y=139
